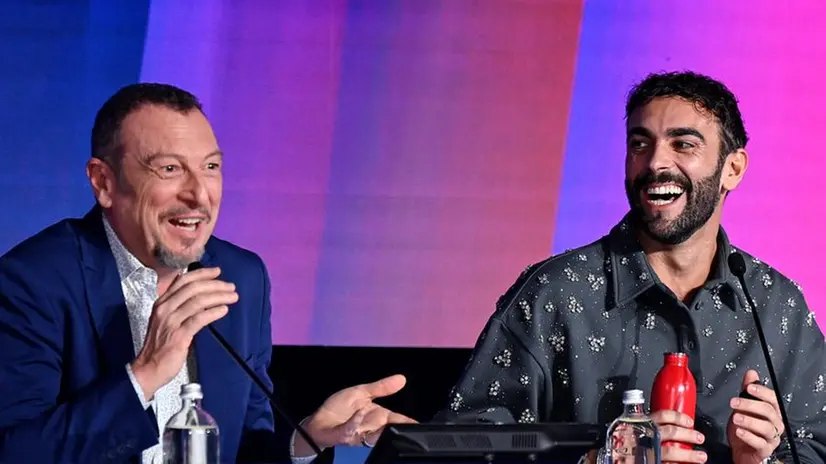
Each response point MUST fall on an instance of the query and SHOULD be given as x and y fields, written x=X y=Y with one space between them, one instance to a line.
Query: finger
x=191 y=289
x=672 y=417
x=384 y=387
x=750 y=377
x=371 y=438
x=396 y=418
x=180 y=280
x=197 y=322
x=763 y=393
x=670 y=432
x=348 y=432
x=376 y=421
x=758 y=409
x=186 y=293
x=677 y=454
x=755 y=442
x=760 y=427
x=378 y=416
x=199 y=303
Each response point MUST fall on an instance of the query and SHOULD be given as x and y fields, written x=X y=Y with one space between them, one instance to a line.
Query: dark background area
x=304 y=376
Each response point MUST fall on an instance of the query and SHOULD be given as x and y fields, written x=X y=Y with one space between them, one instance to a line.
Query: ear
x=103 y=180
x=734 y=169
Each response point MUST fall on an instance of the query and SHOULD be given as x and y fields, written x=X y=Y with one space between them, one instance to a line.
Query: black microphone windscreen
x=194 y=266
x=737 y=264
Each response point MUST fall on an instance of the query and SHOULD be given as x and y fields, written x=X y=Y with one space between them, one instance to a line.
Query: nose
x=195 y=192
x=660 y=157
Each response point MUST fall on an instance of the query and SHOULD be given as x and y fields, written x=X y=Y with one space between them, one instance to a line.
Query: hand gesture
x=677 y=427
x=194 y=300
x=349 y=416
x=755 y=425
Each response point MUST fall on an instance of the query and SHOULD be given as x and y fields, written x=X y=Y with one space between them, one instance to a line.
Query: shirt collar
x=632 y=275
x=128 y=264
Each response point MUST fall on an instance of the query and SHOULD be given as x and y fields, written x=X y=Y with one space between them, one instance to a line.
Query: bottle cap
x=680 y=359
x=633 y=397
x=192 y=391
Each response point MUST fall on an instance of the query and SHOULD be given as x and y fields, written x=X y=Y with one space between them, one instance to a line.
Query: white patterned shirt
x=140 y=290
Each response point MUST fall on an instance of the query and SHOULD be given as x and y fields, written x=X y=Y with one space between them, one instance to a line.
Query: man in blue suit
x=101 y=325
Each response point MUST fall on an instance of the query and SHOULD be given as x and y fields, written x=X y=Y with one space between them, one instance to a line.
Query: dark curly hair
x=705 y=93
x=106 y=143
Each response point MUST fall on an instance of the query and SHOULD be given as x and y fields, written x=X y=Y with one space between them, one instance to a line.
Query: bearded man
x=578 y=329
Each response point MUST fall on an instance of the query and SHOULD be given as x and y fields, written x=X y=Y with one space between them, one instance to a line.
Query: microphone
x=257 y=380
x=737 y=265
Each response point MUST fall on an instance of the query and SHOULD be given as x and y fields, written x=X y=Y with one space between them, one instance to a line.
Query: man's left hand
x=350 y=417
x=755 y=426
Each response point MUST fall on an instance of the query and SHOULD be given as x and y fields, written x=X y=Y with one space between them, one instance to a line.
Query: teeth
x=665 y=190
x=186 y=223
x=661 y=202
x=190 y=222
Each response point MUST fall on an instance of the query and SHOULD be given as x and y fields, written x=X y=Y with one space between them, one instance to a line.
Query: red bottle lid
x=676 y=359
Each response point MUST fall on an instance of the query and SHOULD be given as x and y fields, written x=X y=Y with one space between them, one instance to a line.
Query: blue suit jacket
x=65 y=340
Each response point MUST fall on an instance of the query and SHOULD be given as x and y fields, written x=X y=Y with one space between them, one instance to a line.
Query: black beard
x=702 y=198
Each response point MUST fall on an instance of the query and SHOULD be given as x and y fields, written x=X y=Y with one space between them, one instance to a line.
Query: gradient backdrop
x=398 y=163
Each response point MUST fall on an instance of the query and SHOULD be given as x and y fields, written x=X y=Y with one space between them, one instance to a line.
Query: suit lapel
x=107 y=307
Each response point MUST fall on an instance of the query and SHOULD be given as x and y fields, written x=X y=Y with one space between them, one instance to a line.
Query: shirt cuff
x=137 y=387
x=301 y=459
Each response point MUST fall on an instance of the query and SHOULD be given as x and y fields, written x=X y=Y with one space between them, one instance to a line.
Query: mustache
x=203 y=211
x=662 y=178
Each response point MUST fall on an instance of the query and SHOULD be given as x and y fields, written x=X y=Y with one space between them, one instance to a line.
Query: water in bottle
x=632 y=438
x=191 y=435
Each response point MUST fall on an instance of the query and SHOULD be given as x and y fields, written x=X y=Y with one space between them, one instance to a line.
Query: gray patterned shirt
x=578 y=329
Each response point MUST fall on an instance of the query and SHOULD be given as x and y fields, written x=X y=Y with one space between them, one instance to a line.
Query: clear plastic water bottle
x=632 y=438
x=191 y=435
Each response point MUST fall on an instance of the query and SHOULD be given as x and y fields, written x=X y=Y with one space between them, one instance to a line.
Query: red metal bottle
x=675 y=390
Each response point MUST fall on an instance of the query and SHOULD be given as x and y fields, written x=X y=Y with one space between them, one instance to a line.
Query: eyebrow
x=673 y=132
x=154 y=156
x=683 y=131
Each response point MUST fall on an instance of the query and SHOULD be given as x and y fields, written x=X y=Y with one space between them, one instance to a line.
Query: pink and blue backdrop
x=398 y=163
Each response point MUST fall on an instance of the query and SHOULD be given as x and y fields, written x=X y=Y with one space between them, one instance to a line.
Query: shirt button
x=691 y=345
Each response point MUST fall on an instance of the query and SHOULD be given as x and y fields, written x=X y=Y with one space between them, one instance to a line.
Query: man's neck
x=685 y=267
x=165 y=275
x=165 y=278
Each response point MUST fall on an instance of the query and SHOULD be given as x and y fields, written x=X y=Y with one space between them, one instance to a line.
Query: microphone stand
x=737 y=264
